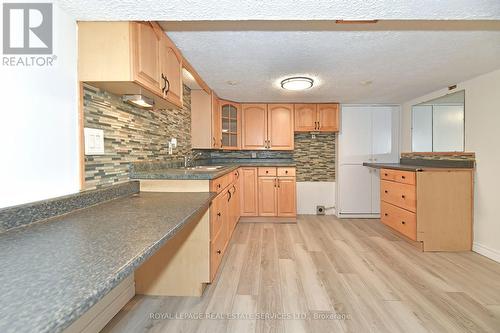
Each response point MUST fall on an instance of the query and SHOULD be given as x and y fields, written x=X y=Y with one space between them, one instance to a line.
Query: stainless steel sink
x=205 y=168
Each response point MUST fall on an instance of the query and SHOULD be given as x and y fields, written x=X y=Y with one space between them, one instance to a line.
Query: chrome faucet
x=189 y=159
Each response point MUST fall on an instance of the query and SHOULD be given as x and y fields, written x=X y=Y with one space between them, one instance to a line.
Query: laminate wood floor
x=328 y=275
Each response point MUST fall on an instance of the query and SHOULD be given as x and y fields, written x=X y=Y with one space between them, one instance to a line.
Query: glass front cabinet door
x=231 y=125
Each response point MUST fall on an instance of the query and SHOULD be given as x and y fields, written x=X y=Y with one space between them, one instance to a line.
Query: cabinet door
x=280 y=126
x=267 y=196
x=249 y=192
x=385 y=134
x=216 y=123
x=287 y=196
x=254 y=126
x=170 y=67
x=355 y=192
x=355 y=138
x=230 y=122
x=146 y=52
x=328 y=117
x=305 y=117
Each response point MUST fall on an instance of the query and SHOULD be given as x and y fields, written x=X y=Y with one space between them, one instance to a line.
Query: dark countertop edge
x=409 y=167
x=202 y=175
x=102 y=290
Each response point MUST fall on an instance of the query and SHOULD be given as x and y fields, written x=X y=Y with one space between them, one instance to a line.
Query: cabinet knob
x=385 y=174
x=386 y=191
x=218 y=214
x=219 y=251
x=386 y=214
x=403 y=196
x=267 y=171
x=403 y=222
x=286 y=171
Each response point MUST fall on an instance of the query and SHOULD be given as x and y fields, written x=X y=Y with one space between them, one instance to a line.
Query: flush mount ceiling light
x=141 y=101
x=297 y=83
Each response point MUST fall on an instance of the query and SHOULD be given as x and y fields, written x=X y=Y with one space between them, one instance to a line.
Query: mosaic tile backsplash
x=131 y=134
x=136 y=135
x=314 y=157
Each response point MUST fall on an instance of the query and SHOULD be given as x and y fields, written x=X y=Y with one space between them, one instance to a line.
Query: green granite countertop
x=52 y=272
x=189 y=174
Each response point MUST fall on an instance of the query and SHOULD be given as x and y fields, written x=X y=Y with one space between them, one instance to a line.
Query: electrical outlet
x=254 y=155
x=320 y=210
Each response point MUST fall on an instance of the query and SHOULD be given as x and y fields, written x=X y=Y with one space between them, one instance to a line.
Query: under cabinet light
x=141 y=101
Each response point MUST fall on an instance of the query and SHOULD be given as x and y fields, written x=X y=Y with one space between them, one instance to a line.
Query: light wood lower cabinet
x=267 y=196
x=224 y=215
x=249 y=192
x=286 y=196
x=433 y=207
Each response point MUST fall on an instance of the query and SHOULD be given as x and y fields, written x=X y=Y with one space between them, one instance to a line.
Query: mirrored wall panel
x=439 y=124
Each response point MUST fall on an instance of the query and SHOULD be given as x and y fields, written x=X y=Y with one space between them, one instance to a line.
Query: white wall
x=39 y=123
x=311 y=194
x=482 y=136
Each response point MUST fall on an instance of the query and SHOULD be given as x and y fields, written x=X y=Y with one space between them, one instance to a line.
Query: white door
x=385 y=138
x=355 y=189
x=355 y=138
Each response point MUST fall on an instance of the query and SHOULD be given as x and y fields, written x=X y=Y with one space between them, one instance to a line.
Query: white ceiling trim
x=196 y=10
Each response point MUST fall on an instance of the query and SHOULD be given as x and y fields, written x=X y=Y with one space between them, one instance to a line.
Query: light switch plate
x=94 y=141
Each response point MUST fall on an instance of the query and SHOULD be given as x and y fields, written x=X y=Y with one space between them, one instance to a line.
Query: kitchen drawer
x=399 y=219
x=401 y=195
x=219 y=184
x=217 y=248
x=286 y=172
x=266 y=171
x=405 y=177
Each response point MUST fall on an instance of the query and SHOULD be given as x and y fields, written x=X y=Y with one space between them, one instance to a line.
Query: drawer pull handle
x=386 y=174
x=219 y=251
x=403 y=222
x=267 y=171
x=403 y=177
x=286 y=171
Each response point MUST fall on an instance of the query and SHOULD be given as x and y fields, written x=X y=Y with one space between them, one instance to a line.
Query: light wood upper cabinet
x=216 y=140
x=316 y=117
x=146 y=50
x=267 y=126
x=205 y=120
x=249 y=192
x=170 y=70
x=287 y=202
x=230 y=114
x=328 y=117
x=280 y=126
x=305 y=117
x=130 y=58
x=267 y=196
x=254 y=130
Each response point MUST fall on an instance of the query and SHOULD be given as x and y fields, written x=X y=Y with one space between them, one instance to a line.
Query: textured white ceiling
x=185 y=10
x=401 y=64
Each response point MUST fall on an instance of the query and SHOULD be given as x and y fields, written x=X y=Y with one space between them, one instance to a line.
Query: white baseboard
x=486 y=251
x=358 y=216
